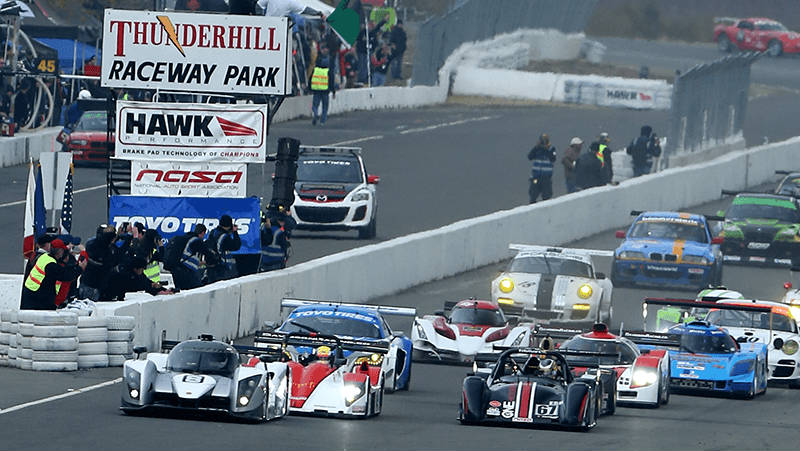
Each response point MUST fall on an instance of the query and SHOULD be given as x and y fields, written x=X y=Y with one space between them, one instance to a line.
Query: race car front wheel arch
x=723 y=43
x=370 y=231
x=574 y=404
x=473 y=393
x=774 y=48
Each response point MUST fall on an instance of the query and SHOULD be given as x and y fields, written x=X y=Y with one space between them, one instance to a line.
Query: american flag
x=66 y=208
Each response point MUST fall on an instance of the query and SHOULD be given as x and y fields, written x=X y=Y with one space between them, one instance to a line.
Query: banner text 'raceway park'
x=196 y=52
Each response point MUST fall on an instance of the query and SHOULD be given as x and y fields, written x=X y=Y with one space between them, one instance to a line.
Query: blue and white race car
x=358 y=321
x=705 y=358
x=668 y=249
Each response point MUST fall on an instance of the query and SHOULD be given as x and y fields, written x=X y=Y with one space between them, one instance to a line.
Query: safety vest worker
x=153 y=271
x=319 y=79
x=273 y=253
x=600 y=156
x=44 y=281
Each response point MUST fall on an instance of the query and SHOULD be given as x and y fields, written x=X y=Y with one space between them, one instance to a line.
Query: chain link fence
x=709 y=102
x=477 y=20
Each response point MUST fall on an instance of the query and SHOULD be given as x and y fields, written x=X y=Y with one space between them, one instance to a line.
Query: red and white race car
x=755 y=33
x=642 y=375
x=463 y=330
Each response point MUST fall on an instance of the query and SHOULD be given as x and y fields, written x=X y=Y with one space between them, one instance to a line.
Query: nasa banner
x=188 y=179
x=191 y=132
x=172 y=216
x=196 y=52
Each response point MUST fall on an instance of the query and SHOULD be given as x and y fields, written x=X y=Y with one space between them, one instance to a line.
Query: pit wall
x=237 y=308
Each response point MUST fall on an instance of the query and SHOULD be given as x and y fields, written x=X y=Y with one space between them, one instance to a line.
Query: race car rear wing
x=785 y=172
x=726 y=20
x=707 y=305
x=688 y=310
x=641 y=337
x=280 y=340
x=382 y=309
x=558 y=333
x=727 y=192
x=561 y=250
x=167 y=345
x=485 y=357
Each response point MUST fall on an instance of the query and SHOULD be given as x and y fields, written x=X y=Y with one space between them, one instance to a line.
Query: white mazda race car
x=207 y=375
x=777 y=329
x=554 y=284
x=463 y=330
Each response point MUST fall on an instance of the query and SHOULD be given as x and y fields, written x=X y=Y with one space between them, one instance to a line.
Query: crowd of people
x=583 y=170
x=130 y=258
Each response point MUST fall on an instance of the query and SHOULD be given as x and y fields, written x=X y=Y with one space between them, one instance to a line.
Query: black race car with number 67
x=527 y=386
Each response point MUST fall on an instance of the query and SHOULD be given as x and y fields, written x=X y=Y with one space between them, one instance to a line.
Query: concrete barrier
x=21 y=148
x=235 y=308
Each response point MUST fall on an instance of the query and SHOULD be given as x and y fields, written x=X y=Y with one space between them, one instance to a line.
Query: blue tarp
x=66 y=48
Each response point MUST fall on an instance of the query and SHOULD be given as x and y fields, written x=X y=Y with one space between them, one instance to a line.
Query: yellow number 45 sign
x=47 y=65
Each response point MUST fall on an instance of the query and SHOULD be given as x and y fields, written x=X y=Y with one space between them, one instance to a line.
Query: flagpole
x=369 y=53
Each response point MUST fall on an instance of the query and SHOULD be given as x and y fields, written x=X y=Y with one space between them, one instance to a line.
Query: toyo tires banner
x=191 y=132
x=182 y=179
x=176 y=216
x=196 y=52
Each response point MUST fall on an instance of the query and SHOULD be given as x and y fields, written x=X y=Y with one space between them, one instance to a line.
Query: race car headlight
x=695 y=259
x=420 y=331
x=134 y=379
x=506 y=285
x=361 y=195
x=518 y=340
x=135 y=394
x=630 y=255
x=643 y=377
x=352 y=392
x=790 y=347
x=585 y=291
x=788 y=235
x=79 y=142
x=372 y=359
x=246 y=389
x=743 y=367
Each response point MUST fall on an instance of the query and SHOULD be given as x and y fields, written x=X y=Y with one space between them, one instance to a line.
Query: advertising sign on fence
x=176 y=216
x=191 y=132
x=196 y=52
x=164 y=179
x=627 y=97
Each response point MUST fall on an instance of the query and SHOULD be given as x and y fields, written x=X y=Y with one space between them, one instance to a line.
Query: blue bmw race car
x=668 y=249
x=705 y=358
x=358 y=321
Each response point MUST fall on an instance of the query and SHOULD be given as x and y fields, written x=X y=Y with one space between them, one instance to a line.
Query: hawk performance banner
x=196 y=52
x=191 y=132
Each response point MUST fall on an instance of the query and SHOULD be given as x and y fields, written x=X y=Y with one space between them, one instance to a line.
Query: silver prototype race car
x=208 y=375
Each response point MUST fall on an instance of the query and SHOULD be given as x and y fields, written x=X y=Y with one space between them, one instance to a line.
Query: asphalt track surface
x=429 y=178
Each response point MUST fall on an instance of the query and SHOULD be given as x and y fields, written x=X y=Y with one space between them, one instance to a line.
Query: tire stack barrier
x=24 y=334
x=5 y=337
x=92 y=342
x=53 y=341
x=120 y=339
x=13 y=328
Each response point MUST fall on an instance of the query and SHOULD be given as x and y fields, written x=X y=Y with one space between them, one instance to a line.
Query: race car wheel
x=393 y=384
x=408 y=379
x=664 y=399
x=774 y=48
x=369 y=231
x=763 y=378
x=723 y=43
x=591 y=417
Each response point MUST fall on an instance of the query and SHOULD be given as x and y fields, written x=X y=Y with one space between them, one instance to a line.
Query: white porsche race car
x=463 y=330
x=555 y=284
x=207 y=375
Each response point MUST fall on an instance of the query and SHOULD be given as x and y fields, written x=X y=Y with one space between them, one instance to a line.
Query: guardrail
x=237 y=308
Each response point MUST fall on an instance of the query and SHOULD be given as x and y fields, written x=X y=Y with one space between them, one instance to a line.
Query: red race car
x=757 y=34
x=88 y=139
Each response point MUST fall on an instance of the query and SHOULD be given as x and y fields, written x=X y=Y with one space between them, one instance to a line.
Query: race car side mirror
x=720 y=212
x=269 y=326
x=599 y=275
x=373 y=179
x=717 y=240
x=139 y=350
x=620 y=234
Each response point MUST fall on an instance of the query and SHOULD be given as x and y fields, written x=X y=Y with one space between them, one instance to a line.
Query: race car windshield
x=329 y=170
x=771 y=26
x=785 y=213
x=348 y=327
x=708 y=344
x=541 y=264
x=689 y=231
x=750 y=320
x=477 y=316
x=203 y=358
x=624 y=354
x=92 y=122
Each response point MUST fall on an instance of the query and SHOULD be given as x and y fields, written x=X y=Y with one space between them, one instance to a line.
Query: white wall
x=236 y=308
x=22 y=147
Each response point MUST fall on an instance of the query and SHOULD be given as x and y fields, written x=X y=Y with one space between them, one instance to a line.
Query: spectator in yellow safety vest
x=42 y=284
x=321 y=83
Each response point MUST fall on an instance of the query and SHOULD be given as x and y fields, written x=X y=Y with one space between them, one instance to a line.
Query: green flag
x=345 y=22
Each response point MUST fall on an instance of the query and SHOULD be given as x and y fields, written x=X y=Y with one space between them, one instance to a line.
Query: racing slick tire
x=664 y=399
x=408 y=381
x=774 y=48
x=794 y=383
x=370 y=231
x=724 y=44
x=393 y=385
x=591 y=418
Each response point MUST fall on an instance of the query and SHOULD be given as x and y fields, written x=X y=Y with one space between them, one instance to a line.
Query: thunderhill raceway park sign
x=191 y=132
x=164 y=179
x=196 y=52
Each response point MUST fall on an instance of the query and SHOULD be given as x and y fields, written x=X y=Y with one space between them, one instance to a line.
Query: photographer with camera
x=643 y=149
